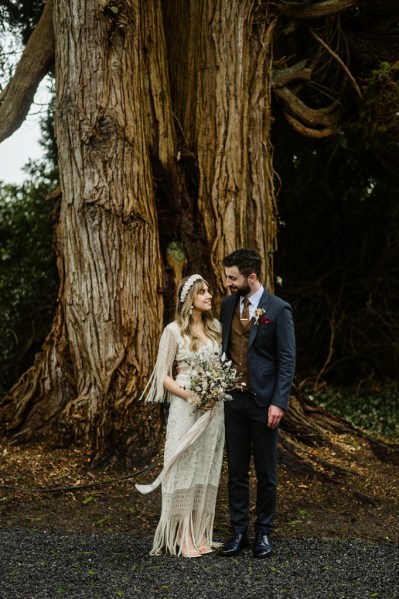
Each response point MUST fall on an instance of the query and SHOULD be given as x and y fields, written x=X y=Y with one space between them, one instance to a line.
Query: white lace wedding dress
x=189 y=487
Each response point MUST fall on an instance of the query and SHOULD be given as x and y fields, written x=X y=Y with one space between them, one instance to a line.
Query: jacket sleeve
x=285 y=354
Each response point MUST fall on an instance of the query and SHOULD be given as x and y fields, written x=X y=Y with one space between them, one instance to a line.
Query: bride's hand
x=209 y=406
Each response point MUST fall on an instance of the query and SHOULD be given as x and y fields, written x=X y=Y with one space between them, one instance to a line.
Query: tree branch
x=313 y=117
x=339 y=61
x=313 y=10
x=300 y=70
x=309 y=131
x=38 y=56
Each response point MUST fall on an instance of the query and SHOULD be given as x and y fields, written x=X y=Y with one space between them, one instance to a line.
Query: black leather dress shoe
x=262 y=546
x=234 y=545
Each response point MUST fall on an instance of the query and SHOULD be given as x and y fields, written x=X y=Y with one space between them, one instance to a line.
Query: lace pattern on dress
x=187 y=515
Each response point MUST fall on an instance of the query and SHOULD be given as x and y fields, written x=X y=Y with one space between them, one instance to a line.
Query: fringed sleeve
x=155 y=391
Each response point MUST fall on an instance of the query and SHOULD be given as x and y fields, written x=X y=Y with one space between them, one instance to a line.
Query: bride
x=191 y=474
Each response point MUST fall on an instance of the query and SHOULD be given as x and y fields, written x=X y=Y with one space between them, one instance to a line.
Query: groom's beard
x=243 y=291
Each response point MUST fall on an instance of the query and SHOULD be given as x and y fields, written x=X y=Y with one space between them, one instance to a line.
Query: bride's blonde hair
x=184 y=319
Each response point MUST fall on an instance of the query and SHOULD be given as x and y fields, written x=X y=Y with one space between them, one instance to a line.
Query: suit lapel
x=263 y=303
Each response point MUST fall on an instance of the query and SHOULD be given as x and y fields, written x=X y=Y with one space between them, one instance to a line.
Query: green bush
x=375 y=409
x=28 y=274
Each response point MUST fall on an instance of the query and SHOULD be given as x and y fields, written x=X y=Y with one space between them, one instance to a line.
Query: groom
x=258 y=336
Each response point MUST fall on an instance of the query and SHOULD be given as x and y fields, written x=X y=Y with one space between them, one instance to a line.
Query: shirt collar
x=254 y=298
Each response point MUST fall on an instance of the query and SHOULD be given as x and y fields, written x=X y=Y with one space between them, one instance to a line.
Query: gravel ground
x=48 y=565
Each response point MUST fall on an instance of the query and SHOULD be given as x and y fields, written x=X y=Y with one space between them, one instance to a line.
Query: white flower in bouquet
x=211 y=377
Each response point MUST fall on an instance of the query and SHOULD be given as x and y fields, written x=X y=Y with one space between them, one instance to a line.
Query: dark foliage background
x=28 y=274
x=339 y=256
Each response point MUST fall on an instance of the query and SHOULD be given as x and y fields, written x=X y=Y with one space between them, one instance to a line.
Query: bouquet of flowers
x=211 y=377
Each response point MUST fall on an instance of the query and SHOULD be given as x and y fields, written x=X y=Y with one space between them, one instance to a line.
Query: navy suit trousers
x=247 y=433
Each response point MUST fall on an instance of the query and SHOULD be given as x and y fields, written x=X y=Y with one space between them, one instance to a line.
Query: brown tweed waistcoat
x=238 y=345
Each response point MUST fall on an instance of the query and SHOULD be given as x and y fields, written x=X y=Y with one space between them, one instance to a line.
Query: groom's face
x=236 y=282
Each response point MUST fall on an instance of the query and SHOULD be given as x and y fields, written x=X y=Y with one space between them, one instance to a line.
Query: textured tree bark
x=236 y=187
x=110 y=314
x=108 y=226
x=220 y=59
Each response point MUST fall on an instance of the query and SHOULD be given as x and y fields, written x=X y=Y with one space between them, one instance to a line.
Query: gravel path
x=48 y=565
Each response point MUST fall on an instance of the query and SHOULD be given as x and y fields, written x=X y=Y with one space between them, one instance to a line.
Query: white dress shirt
x=254 y=299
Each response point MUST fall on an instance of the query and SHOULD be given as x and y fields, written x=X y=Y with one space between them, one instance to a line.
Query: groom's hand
x=275 y=414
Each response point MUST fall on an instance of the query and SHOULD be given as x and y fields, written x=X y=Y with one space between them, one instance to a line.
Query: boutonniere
x=257 y=314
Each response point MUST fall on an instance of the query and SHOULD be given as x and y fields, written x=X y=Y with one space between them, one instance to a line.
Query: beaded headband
x=189 y=283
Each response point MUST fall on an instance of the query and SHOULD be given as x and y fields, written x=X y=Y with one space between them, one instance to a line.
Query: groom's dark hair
x=247 y=261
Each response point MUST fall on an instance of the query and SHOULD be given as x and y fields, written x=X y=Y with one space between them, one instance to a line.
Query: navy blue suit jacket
x=271 y=348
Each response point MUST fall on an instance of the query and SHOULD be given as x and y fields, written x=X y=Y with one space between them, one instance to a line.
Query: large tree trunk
x=108 y=226
x=102 y=347
x=220 y=57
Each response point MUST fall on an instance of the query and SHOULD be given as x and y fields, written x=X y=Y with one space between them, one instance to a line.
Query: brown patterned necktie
x=245 y=310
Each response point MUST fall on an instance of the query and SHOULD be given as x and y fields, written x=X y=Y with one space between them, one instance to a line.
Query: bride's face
x=202 y=299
